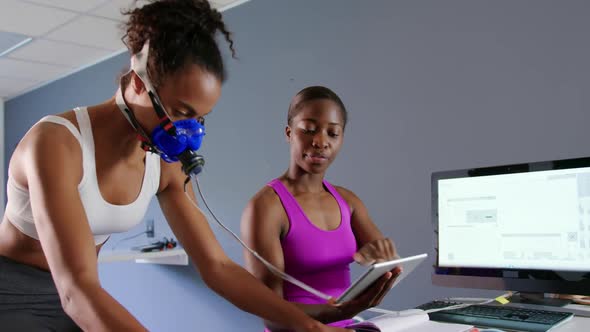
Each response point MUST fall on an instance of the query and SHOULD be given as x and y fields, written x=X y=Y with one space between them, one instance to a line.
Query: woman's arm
x=374 y=247
x=51 y=159
x=217 y=270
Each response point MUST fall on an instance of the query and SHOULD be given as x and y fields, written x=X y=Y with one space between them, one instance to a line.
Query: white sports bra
x=104 y=218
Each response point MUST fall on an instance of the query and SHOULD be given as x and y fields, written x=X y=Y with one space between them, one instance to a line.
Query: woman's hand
x=373 y=252
x=372 y=296
x=376 y=251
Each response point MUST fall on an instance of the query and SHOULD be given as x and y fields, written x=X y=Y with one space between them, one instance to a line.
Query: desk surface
x=176 y=256
x=577 y=323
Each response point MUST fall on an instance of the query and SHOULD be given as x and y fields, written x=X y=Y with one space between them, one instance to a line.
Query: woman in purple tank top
x=309 y=228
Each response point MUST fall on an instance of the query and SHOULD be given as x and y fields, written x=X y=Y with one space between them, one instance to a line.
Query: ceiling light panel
x=80 y=6
x=112 y=9
x=24 y=70
x=90 y=31
x=29 y=19
x=59 y=53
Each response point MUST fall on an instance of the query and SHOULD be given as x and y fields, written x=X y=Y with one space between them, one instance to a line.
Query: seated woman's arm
x=373 y=246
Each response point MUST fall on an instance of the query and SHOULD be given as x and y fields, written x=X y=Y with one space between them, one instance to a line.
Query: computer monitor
x=522 y=227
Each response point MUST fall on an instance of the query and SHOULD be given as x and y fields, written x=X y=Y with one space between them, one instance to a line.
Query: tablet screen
x=408 y=264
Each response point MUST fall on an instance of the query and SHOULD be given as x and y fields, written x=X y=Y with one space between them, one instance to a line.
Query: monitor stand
x=538 y=299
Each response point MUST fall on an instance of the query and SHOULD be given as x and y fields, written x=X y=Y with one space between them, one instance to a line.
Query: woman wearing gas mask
x=77 y=177
x=310 y=228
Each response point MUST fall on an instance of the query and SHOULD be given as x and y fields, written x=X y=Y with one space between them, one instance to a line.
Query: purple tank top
x=317 y=257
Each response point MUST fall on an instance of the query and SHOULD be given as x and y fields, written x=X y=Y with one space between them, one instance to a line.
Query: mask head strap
x=139 y=66
x=146 y=142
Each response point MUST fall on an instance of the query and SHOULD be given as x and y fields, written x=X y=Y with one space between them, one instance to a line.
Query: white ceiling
x=67 y=36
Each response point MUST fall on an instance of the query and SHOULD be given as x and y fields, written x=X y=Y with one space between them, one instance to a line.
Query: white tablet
x=377 y=270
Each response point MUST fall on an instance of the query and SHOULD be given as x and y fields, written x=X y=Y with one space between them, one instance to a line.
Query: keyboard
x=501 y=317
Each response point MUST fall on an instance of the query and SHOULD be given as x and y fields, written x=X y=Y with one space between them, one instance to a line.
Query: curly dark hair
x=314 y=93
x=180 y=32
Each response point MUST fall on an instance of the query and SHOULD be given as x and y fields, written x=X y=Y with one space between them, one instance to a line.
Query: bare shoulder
x=171 y=175
x=173 y=178
x=265 y=201
x=49 y=134
x=347 y=194
x=264 y=213
x=46 y=137
x=44 y=141
x=354 y=202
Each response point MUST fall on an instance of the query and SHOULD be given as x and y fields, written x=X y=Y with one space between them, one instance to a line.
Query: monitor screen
x=523 y=227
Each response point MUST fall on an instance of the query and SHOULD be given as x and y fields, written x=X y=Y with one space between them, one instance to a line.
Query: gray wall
x=430 y=85
x=2 y=193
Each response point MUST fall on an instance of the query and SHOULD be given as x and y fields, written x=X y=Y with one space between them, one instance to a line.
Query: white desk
x=176 y=256
x=577 y=324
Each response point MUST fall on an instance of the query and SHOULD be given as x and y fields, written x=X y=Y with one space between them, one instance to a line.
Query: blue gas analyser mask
x=172 y=140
